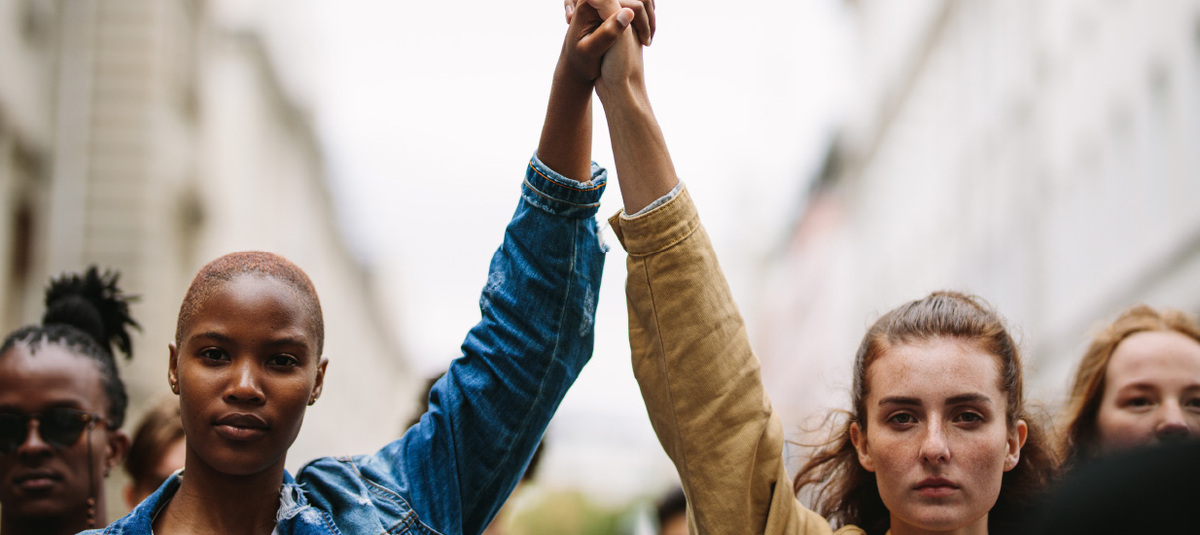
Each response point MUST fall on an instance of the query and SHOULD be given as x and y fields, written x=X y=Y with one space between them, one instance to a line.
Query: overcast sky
x=430 y=110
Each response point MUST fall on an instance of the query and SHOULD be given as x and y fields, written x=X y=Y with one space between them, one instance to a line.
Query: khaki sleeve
x=701 y=381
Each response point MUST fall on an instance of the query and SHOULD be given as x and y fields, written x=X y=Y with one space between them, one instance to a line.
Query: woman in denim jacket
x=247 y=361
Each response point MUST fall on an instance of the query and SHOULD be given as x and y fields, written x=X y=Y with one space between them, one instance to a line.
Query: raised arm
x=454 y=469
x=691 y=355
x=566 y=140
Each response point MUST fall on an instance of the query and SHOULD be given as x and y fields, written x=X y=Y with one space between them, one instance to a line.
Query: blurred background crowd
x=848 y=155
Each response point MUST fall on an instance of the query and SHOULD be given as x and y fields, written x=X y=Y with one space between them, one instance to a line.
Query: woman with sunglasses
x=62 y=404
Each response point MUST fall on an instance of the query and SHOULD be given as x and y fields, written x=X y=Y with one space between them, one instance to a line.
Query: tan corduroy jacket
x=701 y=381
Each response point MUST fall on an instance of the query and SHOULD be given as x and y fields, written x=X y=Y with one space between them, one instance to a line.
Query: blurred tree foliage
x=571 y=512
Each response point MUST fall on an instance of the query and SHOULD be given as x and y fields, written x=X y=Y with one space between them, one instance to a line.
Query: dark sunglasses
x=58 y=427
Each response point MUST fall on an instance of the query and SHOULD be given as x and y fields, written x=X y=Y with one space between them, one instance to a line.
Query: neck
x=44 y=525
x=978 y=527
x=212 y=502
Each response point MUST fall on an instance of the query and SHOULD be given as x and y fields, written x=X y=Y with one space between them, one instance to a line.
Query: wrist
x=628 y=93
x=570 y=78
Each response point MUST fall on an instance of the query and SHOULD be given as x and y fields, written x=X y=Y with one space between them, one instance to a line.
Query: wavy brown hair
x=846 y=493
x=1079 y=439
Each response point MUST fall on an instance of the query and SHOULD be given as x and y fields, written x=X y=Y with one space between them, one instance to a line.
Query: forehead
x=252 y=300
x=933 y=370
x=1155 y=355
x=49 y=376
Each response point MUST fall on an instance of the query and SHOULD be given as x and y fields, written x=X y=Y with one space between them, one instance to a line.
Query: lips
x=936 y=487
x=241 y=427
x=36 y=480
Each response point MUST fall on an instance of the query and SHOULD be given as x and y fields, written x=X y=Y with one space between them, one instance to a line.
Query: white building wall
x=151 y=136
x=1039 y=154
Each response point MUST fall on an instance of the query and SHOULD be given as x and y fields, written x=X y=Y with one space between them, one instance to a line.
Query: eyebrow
x=959 y=399
x=278 y=342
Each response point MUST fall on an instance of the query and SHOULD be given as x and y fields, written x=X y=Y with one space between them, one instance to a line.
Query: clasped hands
x=604 y=41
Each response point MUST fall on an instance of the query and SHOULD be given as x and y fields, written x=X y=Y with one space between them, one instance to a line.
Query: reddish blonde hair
x=225 y=268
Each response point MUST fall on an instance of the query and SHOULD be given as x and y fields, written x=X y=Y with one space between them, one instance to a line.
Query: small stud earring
x=175 y=388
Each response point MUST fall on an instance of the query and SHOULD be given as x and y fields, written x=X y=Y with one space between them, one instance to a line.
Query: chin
x=41 y=507
x=940 y=518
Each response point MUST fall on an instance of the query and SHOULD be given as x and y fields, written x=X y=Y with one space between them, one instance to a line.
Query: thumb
x=607 y=34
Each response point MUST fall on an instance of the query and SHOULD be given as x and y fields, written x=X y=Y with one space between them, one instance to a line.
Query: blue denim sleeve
x=487 y=414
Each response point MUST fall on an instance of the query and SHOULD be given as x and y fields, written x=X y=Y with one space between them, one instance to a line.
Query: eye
x=902 y=419
x=1138 y=402
x=1193 y=403
x=969 y=418
x=214 y=354
x=283 y=360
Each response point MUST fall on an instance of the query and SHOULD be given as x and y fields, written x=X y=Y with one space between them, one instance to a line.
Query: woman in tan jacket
x=938 y=441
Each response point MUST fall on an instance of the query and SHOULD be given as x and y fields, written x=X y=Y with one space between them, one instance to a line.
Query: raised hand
x=595 y=25
x=643 y=19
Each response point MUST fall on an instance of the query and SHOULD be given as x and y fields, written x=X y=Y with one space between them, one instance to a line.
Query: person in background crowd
x=1138 y=384
x=157 y=451
x=672 y=513
x=938 y=441
x=62 y=404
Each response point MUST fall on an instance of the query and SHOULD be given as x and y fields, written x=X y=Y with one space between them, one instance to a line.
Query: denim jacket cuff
x=658 y=229
x=548 y=190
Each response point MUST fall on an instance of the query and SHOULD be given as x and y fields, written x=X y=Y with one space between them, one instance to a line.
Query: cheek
x=893 y=455
x=1113 y=424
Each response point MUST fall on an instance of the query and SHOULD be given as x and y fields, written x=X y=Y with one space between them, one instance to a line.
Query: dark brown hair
x=1079 y=436
x=158 y=430
x=850 y=495
x=226 y=268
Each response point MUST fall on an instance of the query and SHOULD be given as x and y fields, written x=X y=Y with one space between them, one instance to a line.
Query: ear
x=859 y=439
x=319 y=384
x=115 y=449
x=1016 y=441
x=173 y=368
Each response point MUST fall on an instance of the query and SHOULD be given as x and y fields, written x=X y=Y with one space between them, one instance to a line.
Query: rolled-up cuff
x=658 y=229
x=548 y=190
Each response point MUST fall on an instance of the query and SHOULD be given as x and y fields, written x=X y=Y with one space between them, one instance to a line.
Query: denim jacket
x=451 y=472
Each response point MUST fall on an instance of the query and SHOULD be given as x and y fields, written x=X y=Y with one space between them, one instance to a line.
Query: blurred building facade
x=1038 y=154
x=152 y=136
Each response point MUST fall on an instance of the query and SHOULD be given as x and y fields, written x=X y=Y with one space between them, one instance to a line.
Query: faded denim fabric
x=451 y=472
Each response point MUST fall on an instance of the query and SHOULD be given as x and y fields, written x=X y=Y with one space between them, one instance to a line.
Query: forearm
x=487 y=415
x=698 y=375
x=644 y=167
x=566 y=141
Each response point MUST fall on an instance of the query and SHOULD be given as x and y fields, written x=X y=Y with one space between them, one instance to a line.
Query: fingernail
x=570 y=10
x=624 y=17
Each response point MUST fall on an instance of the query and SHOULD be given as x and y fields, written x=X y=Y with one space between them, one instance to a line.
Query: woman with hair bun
x=62 y=404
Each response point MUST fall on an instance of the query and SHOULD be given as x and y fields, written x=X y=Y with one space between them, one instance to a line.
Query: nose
x=244 y=386
x=934 y=446
x=1172 y=427
x=33 y=446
